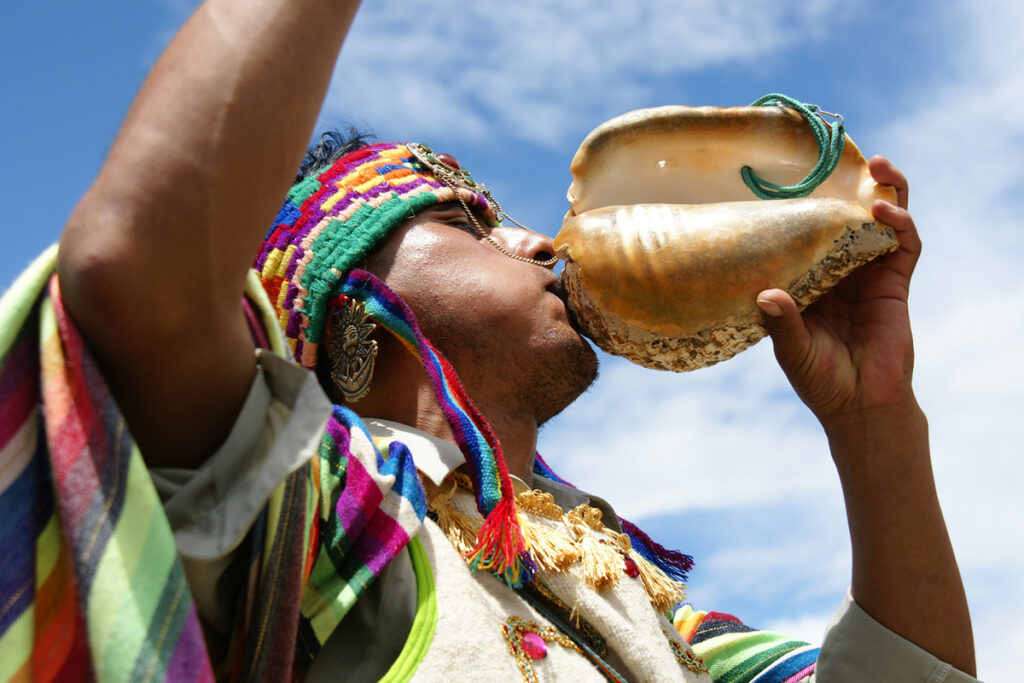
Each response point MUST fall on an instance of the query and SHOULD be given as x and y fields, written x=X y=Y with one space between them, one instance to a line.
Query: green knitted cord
x=346 y=243
x=830 y=138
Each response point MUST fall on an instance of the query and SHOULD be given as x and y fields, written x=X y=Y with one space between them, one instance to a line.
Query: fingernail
x=770 y=307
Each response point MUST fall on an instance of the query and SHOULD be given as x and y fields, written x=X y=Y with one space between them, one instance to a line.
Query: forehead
x=427 y=235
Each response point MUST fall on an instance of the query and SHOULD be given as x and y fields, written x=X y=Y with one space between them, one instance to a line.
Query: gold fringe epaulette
x=583 y=546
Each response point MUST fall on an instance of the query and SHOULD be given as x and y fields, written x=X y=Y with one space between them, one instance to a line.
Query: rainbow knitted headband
x=330 y=222
x=327 y=225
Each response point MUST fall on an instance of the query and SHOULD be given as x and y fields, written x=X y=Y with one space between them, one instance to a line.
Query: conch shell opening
x=666 y=248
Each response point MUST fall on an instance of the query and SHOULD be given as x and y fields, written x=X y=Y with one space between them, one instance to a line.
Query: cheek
x=451 y=301
x=459 y=287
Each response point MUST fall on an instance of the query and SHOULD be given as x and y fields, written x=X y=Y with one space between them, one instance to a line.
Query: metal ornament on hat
x=449 y=171
x=352 y=353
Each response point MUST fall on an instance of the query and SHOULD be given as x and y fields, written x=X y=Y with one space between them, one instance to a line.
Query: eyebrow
x=447 y=206
x=456 y=207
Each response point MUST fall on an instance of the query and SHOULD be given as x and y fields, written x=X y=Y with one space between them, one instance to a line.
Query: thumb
x=786 y=327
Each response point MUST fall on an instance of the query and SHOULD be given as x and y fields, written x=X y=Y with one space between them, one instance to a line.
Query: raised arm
x=154 y=258
x=850 y=358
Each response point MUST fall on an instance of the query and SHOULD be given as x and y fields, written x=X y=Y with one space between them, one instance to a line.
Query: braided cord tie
x=830 y=137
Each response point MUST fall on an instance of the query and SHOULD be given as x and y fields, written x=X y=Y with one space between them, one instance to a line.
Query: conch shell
x=666 y=248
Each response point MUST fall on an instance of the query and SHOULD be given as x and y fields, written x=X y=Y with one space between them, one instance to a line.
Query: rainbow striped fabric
x=369 y=509
x=91 y=585
x=500 y=547
x=736 y=653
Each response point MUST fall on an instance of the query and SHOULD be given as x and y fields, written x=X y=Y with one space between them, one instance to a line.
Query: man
x=160 y=246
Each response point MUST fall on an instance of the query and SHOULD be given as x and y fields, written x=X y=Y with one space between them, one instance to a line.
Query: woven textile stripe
x=500 y=545
x=91 y=586
x=38 y=603
x=736 y=653
x=369 y=508
x=94 y=589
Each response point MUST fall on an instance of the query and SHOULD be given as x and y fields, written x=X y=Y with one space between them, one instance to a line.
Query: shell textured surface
x=666 y=248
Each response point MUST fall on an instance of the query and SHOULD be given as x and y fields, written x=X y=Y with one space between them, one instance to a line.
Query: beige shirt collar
x=436 y=458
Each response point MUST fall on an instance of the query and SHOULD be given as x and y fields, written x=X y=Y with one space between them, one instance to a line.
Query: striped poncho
x=91 y=586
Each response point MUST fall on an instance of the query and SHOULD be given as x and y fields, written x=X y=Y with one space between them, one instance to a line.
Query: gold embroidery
x=515 y=628
x=460 y=529
x=686 y=656
x=539 y=503
x=594 y=639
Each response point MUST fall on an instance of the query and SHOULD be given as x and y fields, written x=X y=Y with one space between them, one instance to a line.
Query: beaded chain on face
x=446 y=169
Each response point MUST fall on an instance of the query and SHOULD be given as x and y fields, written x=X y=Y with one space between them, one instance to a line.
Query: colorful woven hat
x=308 y=261
x=330 y=222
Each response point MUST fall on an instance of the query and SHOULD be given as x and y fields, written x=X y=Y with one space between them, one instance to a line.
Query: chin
x=564 y=381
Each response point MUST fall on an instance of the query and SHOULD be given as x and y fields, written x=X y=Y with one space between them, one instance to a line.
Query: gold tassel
x=552 y=551
x=539 y=503
x=591 y=516
x=663 y=591
x=597 y=563
x=460 y=529
x=600 y=563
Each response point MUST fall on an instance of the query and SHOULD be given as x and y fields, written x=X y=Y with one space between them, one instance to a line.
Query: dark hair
x=332 y=145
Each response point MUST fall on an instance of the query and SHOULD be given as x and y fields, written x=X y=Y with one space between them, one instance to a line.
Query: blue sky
x=724 y=462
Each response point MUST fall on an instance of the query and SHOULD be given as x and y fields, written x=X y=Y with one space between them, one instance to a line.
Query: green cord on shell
x=831 y=139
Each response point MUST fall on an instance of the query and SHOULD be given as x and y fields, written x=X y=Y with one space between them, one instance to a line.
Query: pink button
x=534 y=646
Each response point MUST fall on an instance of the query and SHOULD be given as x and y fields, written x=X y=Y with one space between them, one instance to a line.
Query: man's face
x=498 y=320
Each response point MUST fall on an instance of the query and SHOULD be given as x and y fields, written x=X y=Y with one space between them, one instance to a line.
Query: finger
x=785 y=326
x=884 y=173
x=905 y=259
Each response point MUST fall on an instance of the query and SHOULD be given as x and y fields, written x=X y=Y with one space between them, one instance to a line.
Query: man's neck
x=402 y=392
x=518 y=437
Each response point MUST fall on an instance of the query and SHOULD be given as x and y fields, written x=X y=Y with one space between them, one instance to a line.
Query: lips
x=558 y=288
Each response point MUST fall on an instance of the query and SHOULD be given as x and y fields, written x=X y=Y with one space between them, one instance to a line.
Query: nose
x=527 y=245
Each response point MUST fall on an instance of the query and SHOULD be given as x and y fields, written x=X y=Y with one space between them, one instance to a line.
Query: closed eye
x=463 y=223
x=453 y=214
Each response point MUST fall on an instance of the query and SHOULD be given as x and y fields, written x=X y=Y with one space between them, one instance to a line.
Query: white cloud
x=807 y=627
x=768 y=572
x=721 y=433
x=537 y=70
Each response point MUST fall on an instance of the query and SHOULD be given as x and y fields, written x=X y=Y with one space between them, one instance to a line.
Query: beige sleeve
x=858 y=648
x=211 y=509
